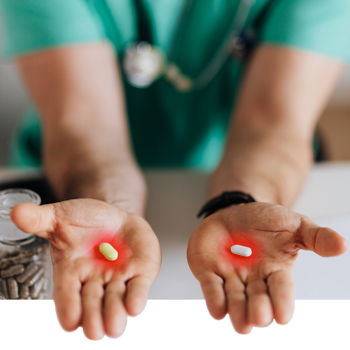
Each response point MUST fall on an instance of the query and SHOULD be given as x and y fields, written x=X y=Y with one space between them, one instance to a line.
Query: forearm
x=269 y=163
x=93 y=164
x=269 y=144
x=86 y=144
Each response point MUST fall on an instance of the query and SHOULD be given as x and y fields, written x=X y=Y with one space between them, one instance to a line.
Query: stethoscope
x=144 y=63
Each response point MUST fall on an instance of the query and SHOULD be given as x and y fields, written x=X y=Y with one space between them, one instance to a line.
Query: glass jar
x=24 y=258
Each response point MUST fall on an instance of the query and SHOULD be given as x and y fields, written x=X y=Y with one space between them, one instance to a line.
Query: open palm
x=257 y=289
x=89 y=290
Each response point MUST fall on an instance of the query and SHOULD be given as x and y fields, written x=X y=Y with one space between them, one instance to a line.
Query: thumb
x=322 y=240
x=38 y=220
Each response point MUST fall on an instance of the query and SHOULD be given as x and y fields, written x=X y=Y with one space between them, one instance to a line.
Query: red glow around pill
x=240 y=239
x=117 y=243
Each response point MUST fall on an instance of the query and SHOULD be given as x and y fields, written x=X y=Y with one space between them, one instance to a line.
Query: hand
x=257 y=289
x=89 y=290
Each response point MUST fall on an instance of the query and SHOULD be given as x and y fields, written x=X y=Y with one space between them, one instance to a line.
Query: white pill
x=241 y=250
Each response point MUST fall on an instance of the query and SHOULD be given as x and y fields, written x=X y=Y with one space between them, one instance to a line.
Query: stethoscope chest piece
x=143 y=64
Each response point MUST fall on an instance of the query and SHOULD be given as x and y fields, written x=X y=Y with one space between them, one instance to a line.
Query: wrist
x=260 y=187
x=129 y=196
x=121 y=186
x=226 y=199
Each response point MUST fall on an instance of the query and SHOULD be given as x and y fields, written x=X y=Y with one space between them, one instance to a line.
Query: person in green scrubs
x=250 y=124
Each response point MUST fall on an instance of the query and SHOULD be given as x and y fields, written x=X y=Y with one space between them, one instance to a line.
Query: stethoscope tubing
x=220 y=57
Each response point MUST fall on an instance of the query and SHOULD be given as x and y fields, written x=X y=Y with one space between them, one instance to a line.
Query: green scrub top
x=170 y=128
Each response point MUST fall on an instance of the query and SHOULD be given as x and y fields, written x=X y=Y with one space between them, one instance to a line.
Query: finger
x=137 y=291
x=322 y=240
x=214 y=294
x=114 y=311
x=66 y=295
x=259 y=305
x=92 y=321
x=30 y=218
x=237 y=304
x=281 y=289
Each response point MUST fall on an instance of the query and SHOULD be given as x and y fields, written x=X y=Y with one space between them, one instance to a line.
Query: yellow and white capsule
x=241 y=250
x=108 y=251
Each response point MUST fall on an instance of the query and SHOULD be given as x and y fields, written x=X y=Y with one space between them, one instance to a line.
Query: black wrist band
x=225 y=200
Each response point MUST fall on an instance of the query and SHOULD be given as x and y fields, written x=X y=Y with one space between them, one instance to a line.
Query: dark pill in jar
x=32 y=252
x=12 y=271
x=6 y=254
x=3 y=254
x=3 y=288
x=29 y=271
x=35 y=278
x=4 y=264
x=13 y=288
x=23 y=291
x=23 y=259
x=35 y=290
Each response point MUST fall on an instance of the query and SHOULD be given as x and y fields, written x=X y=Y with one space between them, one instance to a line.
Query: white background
x=178 y=325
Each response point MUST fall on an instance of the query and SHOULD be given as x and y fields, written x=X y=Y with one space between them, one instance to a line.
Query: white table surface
x=176 y=196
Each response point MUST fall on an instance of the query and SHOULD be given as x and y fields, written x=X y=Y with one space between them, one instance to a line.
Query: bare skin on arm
x=87 y=154
x=268 y=154
x=86 y=143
